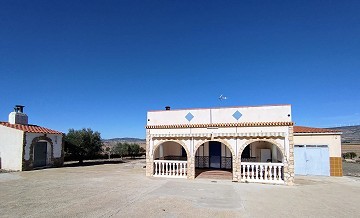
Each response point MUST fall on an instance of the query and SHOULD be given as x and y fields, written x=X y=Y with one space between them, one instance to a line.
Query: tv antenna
x=222 y=97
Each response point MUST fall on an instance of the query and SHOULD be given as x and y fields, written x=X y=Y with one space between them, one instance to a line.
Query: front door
x=215 y=154
x=40 y=153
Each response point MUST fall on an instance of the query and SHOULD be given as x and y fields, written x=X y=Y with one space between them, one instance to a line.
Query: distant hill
x=124 y=139
x=112 y=142
x=351 y=134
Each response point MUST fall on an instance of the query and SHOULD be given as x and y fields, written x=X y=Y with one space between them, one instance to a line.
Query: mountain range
x=114 y=141
x=350 y=134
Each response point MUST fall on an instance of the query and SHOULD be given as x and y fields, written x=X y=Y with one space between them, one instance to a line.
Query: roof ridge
x=307 y=129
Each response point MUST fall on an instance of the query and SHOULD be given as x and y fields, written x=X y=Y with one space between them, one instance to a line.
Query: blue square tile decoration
x=237 y=115
x=189 y=116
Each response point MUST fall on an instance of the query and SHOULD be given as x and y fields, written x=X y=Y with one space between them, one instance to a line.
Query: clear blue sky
x=103 y=64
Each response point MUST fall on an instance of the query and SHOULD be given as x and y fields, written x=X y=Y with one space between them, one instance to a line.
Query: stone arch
x=287 y=175
x=33 y=143
x=150 y=162
x=226 y=143
x=188 y=155
x=272 y=141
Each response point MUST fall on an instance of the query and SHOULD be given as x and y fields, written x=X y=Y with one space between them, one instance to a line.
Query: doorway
x=40 y=154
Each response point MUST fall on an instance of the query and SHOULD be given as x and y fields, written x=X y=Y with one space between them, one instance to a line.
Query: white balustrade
x=170 y=168
x=262 y=172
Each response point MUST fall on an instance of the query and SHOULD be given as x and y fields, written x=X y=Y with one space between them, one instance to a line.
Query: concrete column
x=289 y=166
x=191 y=167
x=236 y=168
x=149 y=156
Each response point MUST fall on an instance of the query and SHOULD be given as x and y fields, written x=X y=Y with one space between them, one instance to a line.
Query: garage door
x=312 y=160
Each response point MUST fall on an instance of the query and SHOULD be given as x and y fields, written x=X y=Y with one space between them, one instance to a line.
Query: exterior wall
x=333 y=141
x=55 y=149
x=277 y=113
x=11 y=148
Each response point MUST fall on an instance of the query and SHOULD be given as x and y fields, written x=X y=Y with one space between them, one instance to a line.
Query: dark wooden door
x=40 y=153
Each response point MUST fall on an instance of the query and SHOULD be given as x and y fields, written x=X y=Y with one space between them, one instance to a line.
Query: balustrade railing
x=262 y=172
x=170 y=168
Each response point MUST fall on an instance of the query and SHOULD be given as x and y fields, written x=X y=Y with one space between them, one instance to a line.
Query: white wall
x=169 y=149
x=11 y=148
x=221 y=115
x=255 y=151
x=219 y=130
x=57 y=145
x=332 y=140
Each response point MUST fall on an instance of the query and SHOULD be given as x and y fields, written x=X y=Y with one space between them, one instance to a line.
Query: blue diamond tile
x=189 y=116
x=237 y=115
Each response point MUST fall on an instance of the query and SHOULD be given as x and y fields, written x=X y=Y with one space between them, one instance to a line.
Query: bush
x=349 y=155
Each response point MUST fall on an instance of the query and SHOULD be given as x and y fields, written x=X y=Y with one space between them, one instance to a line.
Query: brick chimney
x=18 y=116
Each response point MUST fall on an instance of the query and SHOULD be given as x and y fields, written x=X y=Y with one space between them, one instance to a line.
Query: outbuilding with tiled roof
x=317 y=151
x=25 y=146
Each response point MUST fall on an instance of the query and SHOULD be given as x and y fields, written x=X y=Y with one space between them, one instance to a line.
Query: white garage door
x=312 y=160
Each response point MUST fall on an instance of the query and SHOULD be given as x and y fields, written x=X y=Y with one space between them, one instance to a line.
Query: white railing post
x=156 y=169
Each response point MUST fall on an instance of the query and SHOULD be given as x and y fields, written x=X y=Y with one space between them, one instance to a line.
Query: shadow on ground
x=93 y=163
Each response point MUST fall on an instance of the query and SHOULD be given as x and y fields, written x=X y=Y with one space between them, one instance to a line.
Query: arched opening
x=262 y=161
x=170 y=150
x=213 y=159
x=262 y=152
x=170 y=159
x=41 y=152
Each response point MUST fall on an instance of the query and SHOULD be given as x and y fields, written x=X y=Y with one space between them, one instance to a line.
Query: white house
x=255 y=144
x=25 y=146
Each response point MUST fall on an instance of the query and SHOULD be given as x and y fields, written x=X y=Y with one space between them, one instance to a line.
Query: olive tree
x=84 y=143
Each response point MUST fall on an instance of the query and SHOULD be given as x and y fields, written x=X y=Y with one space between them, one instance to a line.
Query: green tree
x=121 y=149
x=134 y=150
x=84 y=143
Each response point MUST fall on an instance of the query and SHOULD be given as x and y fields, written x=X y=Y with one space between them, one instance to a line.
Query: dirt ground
x=122 y=190
x=351 y=169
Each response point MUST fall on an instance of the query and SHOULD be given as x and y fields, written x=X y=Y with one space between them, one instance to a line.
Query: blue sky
x=103 y=64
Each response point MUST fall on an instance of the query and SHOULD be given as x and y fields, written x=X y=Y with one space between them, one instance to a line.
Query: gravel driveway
x=122 y=190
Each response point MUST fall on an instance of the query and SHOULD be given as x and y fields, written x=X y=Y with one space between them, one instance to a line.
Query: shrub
x=349 y=155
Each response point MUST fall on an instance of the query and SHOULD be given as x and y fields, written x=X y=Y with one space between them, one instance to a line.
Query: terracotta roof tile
x=30 y=128
x=304 y=129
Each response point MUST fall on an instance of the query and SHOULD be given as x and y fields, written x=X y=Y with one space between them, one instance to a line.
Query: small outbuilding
x=26 y=146
x=317 y=151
